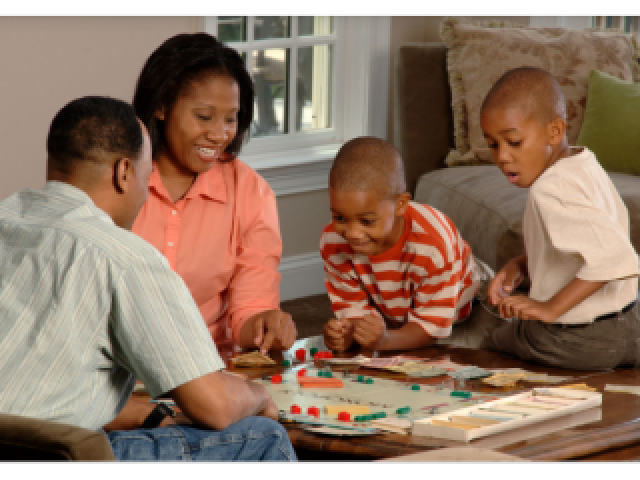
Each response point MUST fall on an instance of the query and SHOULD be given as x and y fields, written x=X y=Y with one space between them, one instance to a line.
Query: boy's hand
x=525 y=308
x=338 y=334
x=273 y=329
x=505 y=282
x=369 y=330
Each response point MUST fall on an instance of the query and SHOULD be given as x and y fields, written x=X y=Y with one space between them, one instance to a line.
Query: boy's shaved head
x=368 y=163
x=534 y=90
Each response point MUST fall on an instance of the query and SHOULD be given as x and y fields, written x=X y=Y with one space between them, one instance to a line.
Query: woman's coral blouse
x=223 y=239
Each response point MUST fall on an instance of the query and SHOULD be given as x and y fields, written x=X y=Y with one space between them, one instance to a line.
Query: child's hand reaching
x=525 y=308
x=369 y=330
x=338 y=334
x=505 y=282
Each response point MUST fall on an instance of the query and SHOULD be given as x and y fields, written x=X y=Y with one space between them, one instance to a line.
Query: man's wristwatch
x=157 y=415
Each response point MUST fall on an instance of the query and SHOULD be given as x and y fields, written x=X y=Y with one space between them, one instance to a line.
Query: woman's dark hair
x=90 y=128
x=173 y=65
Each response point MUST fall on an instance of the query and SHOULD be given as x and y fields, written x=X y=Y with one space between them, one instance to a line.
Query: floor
x=309 y=313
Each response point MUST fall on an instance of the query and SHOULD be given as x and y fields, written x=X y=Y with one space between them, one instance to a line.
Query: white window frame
x=300 y=161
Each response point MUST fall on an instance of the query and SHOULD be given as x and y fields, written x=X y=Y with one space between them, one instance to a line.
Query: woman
x=211 y=216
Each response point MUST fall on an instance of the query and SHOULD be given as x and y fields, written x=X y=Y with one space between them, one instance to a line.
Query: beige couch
x=478 y=199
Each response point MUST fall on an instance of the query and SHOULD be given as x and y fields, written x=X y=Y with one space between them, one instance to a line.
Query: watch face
x=166 y=409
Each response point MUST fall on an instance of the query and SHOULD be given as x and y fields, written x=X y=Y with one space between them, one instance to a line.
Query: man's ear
x=122 y=174
x=402 y=202
x=159 y=114
x=556 y=129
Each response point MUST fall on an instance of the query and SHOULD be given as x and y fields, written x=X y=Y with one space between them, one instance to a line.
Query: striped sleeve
x=348 y=298
x=445 y=264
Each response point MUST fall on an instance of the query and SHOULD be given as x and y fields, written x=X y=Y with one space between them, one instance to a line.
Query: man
x=87 y=307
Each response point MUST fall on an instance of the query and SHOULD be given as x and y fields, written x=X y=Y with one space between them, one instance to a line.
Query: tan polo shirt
x=576 y=225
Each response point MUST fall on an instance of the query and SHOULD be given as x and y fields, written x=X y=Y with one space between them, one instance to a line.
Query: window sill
x=294 y=171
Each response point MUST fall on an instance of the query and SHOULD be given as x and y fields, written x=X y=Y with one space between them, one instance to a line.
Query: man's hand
x=272 y=329
x=369 y=330
x=270 y=410
x=338 y=334
x=525 y=308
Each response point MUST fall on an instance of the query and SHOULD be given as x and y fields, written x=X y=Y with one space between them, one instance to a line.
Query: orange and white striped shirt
x=427 y=277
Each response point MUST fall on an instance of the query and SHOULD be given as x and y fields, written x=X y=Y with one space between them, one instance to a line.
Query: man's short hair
x=532 y=89
x=368 y=163
x=92 y=129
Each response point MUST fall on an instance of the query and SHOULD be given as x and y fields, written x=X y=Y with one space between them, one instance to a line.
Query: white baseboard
x=302 y=275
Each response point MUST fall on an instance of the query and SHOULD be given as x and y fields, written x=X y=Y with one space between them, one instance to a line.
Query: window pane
x=232 y=29
x=314 y=89
x=271 y=27
x=315 y=26
x=270 y=69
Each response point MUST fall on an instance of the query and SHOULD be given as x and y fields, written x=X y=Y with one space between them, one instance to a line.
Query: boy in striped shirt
x=397 y=272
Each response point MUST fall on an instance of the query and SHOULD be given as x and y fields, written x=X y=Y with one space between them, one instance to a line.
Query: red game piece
x=302 y=372
x=323 y=355
x=276 y=379
x=344 y=416
x=315 y=411
x=301 y=354
x=295 y=409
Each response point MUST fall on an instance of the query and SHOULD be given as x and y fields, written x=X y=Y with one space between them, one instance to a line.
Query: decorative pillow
x=611 y=126
x=478 y=55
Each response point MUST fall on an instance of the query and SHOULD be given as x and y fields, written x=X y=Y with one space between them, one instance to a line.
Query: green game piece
x=361 y=378
x=286 y=363
x=403 y=410
x=313 y=351
x=320 y=373
x=328 y=374
x=357 y=418
x=379 y=415
x=415 y=387
x=459 y=393
x=369 y=380
x=367 y=418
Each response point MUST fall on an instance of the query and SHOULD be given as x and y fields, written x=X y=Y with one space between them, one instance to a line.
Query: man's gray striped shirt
x=86 y=307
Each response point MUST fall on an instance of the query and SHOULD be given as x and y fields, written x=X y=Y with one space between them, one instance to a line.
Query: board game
x=364 y=403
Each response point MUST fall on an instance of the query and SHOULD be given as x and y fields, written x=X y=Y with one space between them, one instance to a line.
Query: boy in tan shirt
x=581 y=311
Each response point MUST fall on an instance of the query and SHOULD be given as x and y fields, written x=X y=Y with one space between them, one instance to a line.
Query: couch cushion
x=611 y=126
x=488 y=210
x=479 y=55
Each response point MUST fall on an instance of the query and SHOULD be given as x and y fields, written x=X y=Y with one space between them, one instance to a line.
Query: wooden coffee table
x=611 y=433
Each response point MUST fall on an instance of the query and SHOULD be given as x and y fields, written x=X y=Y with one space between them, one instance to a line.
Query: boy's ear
x=402 y=202
x=556 y=129
x=159 y=114
x=122 y=174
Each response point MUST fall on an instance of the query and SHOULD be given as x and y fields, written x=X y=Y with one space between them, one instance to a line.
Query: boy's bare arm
x=525 y=308
x=371 y=332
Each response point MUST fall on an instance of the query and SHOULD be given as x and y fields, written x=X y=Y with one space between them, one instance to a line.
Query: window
x=319 y=81
x=626 y=24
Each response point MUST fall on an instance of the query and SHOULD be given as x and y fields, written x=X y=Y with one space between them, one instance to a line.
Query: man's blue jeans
x=250 y=439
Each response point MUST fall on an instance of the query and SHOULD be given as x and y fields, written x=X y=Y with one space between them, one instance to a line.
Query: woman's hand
x=272 y=329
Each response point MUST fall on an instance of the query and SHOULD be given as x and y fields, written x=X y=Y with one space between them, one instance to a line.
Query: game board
x=386 y=398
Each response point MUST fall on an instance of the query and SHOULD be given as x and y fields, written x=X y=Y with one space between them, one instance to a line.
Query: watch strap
x=157 y=415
